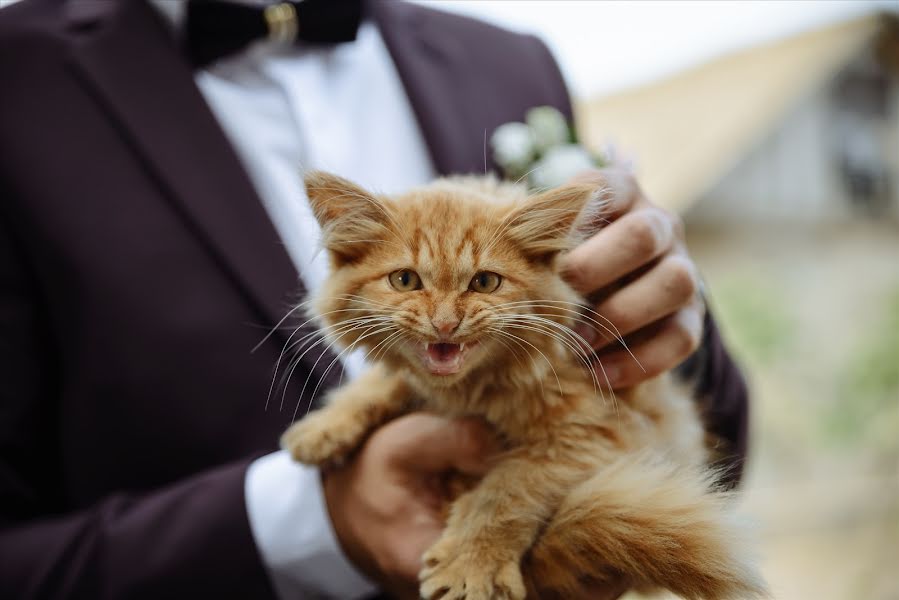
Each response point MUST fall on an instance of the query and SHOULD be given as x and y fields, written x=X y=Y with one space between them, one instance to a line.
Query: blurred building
x=802 y=130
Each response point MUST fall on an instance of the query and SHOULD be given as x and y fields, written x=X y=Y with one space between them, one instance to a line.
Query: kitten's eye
x=405 y=280
x=485 y=282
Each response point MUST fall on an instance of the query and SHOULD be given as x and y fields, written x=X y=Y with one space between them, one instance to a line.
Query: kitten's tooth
x=461 y=347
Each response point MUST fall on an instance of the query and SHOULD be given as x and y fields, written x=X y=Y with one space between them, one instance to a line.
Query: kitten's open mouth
x=443 y=358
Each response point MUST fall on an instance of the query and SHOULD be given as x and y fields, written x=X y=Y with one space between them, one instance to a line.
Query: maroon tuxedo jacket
x=137 y=271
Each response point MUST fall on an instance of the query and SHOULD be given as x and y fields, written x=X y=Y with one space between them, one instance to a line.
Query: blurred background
x=773 y=128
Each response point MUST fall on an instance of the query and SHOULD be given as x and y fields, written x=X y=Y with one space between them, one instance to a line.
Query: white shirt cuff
x=292 y=529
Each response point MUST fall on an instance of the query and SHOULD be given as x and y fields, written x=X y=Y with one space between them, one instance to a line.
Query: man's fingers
x=618 y=250
x=667 y=287
x=428 y=443
x=657 y=349
x=620 y=189
x=408 y=558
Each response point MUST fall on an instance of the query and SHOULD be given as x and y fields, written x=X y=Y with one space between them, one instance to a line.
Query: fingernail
x=586 y=332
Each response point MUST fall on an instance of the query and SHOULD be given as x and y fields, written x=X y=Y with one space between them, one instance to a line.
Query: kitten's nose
x=445 y=325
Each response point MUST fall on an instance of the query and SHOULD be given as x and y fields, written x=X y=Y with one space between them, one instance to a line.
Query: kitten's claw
x=469 y=576
x=315 y=441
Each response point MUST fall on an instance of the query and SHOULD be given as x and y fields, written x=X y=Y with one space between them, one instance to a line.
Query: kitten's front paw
x=318 y=440
x=453 y=573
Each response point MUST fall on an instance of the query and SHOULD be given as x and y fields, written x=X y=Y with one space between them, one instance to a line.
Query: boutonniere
x=543 y=150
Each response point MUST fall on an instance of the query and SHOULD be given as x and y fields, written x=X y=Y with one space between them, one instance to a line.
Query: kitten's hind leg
x=654 y=525
x=328 y=435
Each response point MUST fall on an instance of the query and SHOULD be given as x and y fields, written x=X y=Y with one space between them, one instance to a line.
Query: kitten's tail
x=652 y=523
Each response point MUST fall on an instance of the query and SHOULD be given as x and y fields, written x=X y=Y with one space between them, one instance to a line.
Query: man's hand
x=387 y=504
x=637 y=271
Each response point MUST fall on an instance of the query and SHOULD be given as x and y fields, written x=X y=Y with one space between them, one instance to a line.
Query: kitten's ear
x=351 y=218
x=333 y=198
x=555 y=220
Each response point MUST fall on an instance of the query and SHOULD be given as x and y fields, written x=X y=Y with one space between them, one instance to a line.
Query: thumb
x=432 y=444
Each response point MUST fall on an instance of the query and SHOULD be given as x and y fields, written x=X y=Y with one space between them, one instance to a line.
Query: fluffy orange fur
x=587 y=488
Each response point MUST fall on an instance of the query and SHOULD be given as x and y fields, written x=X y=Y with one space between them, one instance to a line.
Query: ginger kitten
x=454 y=290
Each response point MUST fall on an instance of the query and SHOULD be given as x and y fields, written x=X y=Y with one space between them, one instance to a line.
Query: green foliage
x=757 y=319
x=867 y=407
x=874 y=371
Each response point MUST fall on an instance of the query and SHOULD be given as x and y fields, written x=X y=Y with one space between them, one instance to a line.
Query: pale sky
x=603 y=47
x=607 y=46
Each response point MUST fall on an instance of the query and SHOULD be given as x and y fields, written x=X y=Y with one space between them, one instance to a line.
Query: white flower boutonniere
x=544 y=149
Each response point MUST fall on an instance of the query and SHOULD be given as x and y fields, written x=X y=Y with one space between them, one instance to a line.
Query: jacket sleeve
x=724 y=401
x=190 y=540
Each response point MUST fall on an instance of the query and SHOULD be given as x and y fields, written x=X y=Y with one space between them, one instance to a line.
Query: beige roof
x=686 y=132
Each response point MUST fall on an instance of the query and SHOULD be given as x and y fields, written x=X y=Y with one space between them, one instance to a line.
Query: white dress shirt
x=286 y=110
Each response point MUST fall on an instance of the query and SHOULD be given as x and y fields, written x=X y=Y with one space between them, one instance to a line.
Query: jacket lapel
x=130 y=63
x=465 y=78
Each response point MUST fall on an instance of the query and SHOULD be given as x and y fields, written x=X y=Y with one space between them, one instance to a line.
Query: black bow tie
x=217 y=28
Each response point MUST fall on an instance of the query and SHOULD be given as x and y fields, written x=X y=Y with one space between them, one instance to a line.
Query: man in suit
x=150 y=236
